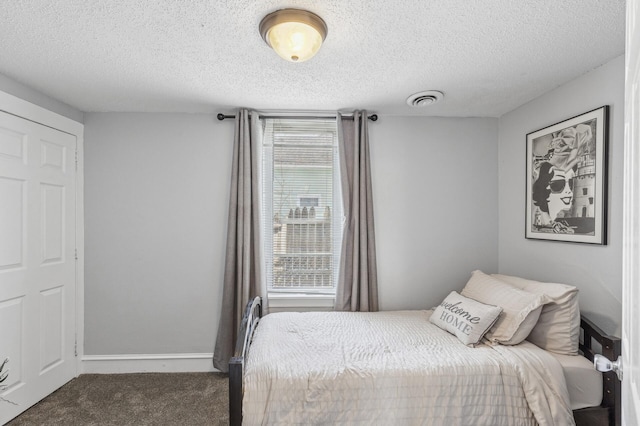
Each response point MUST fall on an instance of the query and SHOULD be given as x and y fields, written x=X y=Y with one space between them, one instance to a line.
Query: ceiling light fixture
x=296 y=35
x=423 y=99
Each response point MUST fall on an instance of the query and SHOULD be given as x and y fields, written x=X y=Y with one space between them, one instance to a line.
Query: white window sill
x=300 y=301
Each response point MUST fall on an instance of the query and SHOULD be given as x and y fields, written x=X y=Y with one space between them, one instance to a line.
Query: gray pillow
x=465 y=318
x=558 y=328
x=521 y=309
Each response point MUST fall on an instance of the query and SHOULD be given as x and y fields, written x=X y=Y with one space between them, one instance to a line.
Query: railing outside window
x=302 y=256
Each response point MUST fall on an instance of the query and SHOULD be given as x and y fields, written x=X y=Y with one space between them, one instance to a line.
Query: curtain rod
x=221 y=116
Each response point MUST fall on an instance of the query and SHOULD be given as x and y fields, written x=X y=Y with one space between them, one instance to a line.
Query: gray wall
x=435 y=195
x=156 y=193
x=156 y=198
x=596 y=270
x=21 y=91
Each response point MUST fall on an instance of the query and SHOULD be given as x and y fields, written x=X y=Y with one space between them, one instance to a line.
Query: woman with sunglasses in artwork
x=553 y=195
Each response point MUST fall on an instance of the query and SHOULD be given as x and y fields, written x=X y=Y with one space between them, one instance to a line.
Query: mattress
x=584 y=383
x=394 y=368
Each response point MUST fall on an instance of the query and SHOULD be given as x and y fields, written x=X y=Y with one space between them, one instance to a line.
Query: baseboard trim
x=148 y=363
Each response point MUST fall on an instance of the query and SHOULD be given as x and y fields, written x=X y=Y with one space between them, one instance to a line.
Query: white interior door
x=37 y=261
x=631 y=249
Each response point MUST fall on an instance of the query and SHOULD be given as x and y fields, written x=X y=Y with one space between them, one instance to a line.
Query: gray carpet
x=134 y=399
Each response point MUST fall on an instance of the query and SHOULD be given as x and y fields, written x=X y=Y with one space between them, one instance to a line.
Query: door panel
x=12 y=223
x=12 y=314
x=51 y=326
x=52 y=223
x=37 y=260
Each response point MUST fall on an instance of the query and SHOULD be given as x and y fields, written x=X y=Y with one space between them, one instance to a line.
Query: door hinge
x=75 y=348
x=76 y=254
x=76 y=160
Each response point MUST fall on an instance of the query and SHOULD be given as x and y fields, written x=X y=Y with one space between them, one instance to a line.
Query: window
x=585 y=191
x=302 y=205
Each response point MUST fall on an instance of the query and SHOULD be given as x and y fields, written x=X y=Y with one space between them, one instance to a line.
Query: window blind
x=302 y=207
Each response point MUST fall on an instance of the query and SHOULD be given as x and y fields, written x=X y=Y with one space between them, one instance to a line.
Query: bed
x=373 y=368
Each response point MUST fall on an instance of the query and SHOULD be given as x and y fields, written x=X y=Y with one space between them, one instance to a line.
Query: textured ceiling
x=487 y=56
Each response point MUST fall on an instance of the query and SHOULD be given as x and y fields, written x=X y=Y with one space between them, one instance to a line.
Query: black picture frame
x=566 y=181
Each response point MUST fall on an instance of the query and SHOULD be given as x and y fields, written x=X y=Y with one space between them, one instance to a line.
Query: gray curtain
x=244 y=265
x=357 y=288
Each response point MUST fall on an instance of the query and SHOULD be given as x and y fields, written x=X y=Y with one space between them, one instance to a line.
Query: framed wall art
x=566 y=193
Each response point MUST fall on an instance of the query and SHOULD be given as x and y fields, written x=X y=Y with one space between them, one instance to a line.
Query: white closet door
x=37 y=261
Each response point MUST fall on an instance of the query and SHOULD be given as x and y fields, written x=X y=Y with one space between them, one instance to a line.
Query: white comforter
x=394 y=368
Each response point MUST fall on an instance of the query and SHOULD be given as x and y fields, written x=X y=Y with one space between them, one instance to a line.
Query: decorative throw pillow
x=521 y=309
x=465 y=318
x=558 y=328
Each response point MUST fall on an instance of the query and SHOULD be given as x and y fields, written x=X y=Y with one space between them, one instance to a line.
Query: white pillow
x=558 y=328
x=466 y=318
x=521 y=309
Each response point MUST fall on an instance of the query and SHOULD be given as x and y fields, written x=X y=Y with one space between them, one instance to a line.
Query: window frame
x=299 y=298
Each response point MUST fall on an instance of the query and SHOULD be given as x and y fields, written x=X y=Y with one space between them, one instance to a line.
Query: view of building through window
x=302 y=204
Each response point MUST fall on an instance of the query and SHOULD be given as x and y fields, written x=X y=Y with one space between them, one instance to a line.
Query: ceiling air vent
x=423 y=99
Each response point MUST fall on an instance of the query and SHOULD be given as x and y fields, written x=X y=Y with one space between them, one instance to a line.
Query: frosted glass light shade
x=296 y=35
